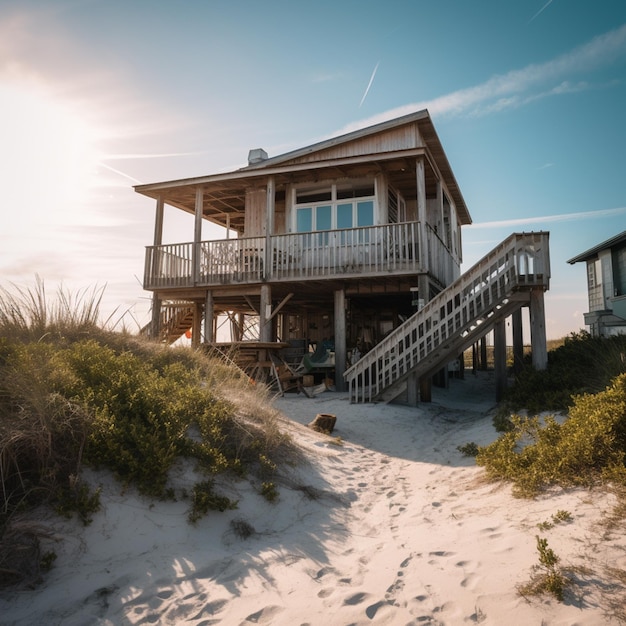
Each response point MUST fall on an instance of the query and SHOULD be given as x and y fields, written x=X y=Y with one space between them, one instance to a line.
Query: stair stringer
x=447 y=353
x=176 y=318
x=457 y=317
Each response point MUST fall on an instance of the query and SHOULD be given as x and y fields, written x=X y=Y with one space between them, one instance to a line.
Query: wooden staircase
x=496 y=286
x=176 y=320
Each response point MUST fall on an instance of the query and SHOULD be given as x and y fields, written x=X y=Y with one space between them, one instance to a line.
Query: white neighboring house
x=606 y=286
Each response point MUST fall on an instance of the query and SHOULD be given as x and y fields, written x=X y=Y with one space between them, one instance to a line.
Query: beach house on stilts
x=348 y=254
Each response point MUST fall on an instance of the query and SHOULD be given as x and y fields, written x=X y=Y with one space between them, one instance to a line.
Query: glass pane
x=323 y=218
x=344 y=215
x=304 y=220
x=365 y=213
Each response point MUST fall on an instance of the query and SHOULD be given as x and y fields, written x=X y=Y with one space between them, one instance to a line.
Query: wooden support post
x=197 y=234
x=265 y=314
x=155 y=321
x=340 y=339
x=499 y=357
x=426 y=389
x=209 y=314
x=483 y=353
x=538 y=330
x=158 y=222
x=196 y=329
x=412 y=388
x=518 y=341
x=420 y=177
x=269 y=228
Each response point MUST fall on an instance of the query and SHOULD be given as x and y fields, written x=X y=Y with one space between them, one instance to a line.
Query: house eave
x=592 y=253
x=283 y=165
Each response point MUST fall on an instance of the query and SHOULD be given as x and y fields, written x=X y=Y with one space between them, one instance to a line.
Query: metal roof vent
x=256 y=155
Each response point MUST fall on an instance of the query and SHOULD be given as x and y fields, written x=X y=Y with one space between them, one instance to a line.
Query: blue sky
x=527 y=96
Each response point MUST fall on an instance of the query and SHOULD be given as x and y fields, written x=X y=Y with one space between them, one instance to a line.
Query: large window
x=332 y=207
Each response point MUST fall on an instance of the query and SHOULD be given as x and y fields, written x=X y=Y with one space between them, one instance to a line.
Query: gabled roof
x=352 y=152
x=605 y=245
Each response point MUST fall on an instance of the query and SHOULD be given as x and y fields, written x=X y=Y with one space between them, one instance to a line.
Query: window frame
x=337 y=199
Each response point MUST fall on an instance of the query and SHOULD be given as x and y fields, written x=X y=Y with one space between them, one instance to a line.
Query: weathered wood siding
x=403 y=138
x=256 y=213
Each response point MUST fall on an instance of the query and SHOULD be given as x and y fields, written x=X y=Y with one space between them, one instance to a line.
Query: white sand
x=400 y=530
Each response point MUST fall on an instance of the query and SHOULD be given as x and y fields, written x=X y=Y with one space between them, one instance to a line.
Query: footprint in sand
x=356 y=598
x=265 y=616
x=469 y=581
x=372 y=609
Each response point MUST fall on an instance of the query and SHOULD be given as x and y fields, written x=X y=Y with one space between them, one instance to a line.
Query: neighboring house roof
x=605 y=245
x=227 y=189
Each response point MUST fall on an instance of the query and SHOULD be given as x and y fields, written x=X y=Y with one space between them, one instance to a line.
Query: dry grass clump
x=73 y=393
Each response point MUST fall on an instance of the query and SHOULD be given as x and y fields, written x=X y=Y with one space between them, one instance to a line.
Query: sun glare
x=48 y=155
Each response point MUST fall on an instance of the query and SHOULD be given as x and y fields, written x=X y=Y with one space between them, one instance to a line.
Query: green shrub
x=468 y=449
x=269 y=491
x=582 y=364
x=73 y=392
x=127 y=405
x=587 y=447
x=204 y=499
x=548 y=577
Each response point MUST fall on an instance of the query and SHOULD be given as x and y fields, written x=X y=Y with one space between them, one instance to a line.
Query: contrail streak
x=119 y=173
x=369 y=85
x=541 y=10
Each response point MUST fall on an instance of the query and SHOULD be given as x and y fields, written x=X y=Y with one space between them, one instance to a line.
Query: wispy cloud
x=522 y=86
x=161 y=155
x=545 y=219
x=369 y=85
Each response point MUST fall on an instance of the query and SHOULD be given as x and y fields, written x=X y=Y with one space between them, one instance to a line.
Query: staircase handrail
x=520 y=260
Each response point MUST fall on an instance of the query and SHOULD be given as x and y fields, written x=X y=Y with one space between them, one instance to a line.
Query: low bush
x=548 y=576
x=582 y=364
x=587 y=447
x=74 y=393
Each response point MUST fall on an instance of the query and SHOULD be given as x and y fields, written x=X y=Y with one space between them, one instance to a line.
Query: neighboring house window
x=334 y=207
x=619 y=270
x=594 y=284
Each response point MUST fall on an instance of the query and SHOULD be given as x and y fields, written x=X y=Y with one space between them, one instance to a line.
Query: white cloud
x=545 y=219
x=519 y=87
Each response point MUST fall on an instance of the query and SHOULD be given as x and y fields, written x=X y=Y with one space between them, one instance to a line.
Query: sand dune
x=389 y=524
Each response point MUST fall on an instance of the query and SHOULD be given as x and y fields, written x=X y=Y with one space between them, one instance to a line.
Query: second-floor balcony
x=368 y=251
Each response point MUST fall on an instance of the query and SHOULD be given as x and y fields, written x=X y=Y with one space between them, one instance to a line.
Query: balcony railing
x=366 y=251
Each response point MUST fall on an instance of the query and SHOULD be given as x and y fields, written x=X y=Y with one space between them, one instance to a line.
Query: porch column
x=209 y=312
x=420 y=179
x=412 y=389
x=155 y=322
x=483 y=352
x=518 y=341
x=538 y=330
x=197 y=235
x=196 y=329
x=426 y=389
x=340 y=339
x=499 y=357
x=265 y=314
x=269 y=227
